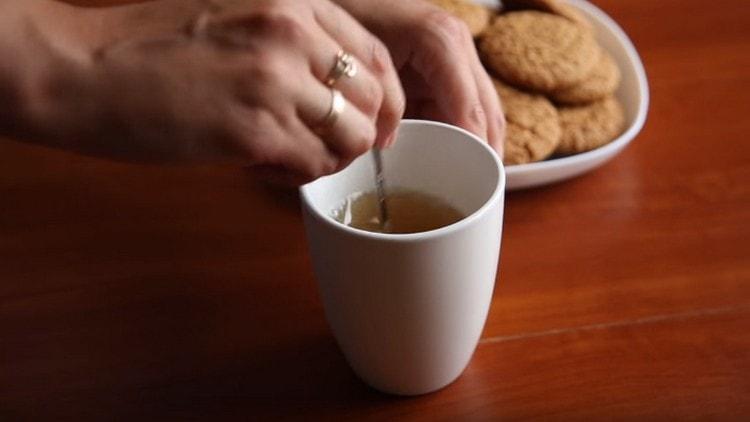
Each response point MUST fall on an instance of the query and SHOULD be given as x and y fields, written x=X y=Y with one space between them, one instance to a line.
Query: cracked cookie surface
x=600 y=83
x=533 y=125
x=590 y=126
x=539 y=51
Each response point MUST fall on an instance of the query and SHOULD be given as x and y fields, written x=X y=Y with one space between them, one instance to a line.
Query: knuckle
x=360 y=147
x=358 y=144
x=447 y=28
x=502 y=127
x=247 y=132
x=476 y=115
x=396 y=107
x=319 y=168
x=266 y=71
x=328 y=166
x=380 y=58
x=279 y=21
x=365 y=141
x=373 y=99
x=257 y=118
x=502 y=121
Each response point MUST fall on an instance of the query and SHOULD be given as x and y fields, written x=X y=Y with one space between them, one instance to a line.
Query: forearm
x=151 y=19
x=48 y=54
x=42 y=44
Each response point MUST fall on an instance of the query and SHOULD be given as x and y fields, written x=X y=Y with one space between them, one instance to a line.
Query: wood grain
x=143 y=292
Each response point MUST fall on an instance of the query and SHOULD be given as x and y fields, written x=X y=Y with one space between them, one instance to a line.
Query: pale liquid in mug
x=408 y=212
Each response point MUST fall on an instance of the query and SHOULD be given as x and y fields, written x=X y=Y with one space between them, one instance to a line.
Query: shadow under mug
x=407 y=310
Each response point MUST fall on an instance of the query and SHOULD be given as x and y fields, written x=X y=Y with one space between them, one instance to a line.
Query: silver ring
x=345 y=66
x=338 y=104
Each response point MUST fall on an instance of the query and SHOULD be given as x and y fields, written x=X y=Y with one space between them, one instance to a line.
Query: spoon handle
x=380 y=186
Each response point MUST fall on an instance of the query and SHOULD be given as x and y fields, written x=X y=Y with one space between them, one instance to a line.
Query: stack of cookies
x=556 y=83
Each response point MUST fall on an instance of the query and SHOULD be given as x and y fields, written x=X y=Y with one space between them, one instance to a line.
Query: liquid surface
x=408 y=212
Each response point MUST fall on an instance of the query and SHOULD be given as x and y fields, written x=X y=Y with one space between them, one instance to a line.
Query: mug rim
x=418 y=236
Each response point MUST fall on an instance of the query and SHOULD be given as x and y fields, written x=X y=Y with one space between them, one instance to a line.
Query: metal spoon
x=380 y=188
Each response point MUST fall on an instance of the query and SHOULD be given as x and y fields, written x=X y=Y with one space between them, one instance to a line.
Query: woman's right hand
x=244 y=80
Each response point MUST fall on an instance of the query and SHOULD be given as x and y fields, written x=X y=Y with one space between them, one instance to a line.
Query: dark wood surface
x=135 y=292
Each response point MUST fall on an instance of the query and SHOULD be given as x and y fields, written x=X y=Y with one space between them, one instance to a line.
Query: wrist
x=43 y=45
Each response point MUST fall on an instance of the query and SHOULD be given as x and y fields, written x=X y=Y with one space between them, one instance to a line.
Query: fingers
x=277 y=146
x=290 y=48
x=372 y=56
x=443 y=63
x=286 y=150
x=362 y=90
x=350 y=135
x=492 y=106
x=299 y=155
x=446 y=80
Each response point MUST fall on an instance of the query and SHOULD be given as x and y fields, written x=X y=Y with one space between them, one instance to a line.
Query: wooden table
x=140 y=292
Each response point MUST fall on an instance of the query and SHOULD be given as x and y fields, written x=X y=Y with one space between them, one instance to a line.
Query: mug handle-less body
x=408 y=315
x=407 y=310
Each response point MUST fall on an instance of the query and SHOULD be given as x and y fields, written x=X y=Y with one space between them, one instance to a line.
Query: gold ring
x=338 y=103
x=345 y=66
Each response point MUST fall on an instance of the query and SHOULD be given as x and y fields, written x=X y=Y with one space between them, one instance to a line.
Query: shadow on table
x=233 y=356
x=306 y=377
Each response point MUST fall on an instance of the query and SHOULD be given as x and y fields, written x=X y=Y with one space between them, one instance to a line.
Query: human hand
x=245 y=83
x=438 y=64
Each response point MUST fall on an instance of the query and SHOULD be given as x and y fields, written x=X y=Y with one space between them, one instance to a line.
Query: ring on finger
x=338 y=104
x=345 y=65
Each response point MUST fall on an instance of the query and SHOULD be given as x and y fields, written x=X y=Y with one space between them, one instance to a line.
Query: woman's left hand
x=440 y=71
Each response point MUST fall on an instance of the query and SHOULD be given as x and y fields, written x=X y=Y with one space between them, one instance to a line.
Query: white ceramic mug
x=407 y=310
